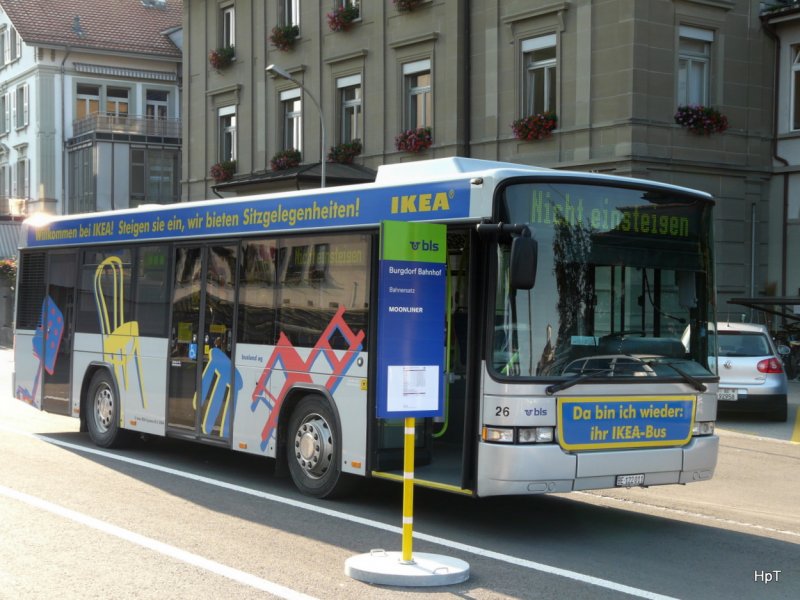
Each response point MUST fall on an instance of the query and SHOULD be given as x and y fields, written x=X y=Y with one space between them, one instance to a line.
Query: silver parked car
x=751 y=375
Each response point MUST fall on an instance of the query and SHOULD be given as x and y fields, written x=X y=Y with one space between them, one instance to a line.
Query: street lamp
x=276 y=71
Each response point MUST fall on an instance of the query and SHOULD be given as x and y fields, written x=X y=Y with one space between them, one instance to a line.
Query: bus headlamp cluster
x=535 y=435
x=703 y=428
x=517 y=435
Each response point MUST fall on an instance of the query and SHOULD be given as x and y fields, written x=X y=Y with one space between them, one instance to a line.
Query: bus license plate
x=727 y=394
x=630 y=480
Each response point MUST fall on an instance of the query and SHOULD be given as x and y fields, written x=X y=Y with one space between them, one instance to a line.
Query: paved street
x=173 y=519
x=752 y=425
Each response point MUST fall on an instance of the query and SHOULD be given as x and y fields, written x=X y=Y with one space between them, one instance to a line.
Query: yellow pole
x=408 y=489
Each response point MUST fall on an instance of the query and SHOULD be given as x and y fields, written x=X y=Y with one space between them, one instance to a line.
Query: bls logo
x=425 y=246
x=536 y=412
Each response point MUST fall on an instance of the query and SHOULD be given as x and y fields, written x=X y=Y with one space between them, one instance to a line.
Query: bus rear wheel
x=103 y=416
x=313 y=449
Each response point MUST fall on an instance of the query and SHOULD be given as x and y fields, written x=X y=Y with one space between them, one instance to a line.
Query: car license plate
x=630 y=480
x=727 y=394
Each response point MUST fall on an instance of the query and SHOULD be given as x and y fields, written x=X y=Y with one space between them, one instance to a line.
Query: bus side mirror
x=524 y=258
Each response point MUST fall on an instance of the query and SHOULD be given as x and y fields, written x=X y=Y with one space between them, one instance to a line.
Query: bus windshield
x=624 y=284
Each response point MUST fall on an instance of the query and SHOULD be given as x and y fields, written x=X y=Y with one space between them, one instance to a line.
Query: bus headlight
x=522 y=435
x=535 y=435
x=703 y=428
x=500 y=435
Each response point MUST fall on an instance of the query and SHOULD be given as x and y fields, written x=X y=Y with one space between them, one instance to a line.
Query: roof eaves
x=780 y=14
x=126 y=50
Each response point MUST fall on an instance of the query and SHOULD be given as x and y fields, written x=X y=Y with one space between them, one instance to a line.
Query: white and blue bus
x=577 y=351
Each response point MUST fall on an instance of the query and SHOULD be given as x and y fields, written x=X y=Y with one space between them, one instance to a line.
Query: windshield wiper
x=695 y=383
x=557 y=387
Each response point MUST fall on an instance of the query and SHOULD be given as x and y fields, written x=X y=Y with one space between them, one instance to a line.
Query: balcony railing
x=126 y=124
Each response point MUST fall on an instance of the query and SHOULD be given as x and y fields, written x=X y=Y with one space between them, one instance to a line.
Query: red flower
x=223 y=171
x=221 y=57
x=345 y=152
x=702 y=120
x=283 y=36
x=285 y=159
x=535 y=127
x=414 y=140
x=342 y=17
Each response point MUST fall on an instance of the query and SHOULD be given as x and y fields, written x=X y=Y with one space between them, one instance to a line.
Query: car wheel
x=790 y=367
x=780 y=415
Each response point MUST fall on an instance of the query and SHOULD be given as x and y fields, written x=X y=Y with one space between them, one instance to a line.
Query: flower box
x=285 y=159
x=221 y=57
x=345 y=152
x=414 y=140
x=701 y=120
x=407 y=5
x=283 y=36
x=535 y=127
x=223 y=171
x=341 y=19
x=8 y=271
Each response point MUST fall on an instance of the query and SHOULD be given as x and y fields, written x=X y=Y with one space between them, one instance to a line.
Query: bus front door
x=202 y=381
x=56 y=332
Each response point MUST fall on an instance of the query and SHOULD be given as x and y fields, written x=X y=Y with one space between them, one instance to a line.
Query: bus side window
x=151 y=304
x=32 y=288
x=257 y=272
x=100 y=293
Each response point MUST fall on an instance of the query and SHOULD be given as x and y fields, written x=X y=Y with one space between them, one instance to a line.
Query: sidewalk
x=794 y=391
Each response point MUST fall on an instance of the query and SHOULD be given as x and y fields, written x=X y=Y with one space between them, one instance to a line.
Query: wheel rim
x=103 y=408
x=313 y=446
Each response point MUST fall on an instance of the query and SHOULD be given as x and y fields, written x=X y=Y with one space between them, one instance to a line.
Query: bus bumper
x=537 y=469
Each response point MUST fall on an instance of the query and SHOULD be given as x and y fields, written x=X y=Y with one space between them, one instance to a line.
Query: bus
x=576 y=347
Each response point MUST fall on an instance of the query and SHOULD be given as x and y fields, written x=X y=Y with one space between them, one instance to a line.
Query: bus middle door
x=202 y=381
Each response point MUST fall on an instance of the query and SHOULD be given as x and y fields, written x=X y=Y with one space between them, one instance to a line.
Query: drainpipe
x=467 y=78
x=752 y=254
x=67 y=52
x=773 y=35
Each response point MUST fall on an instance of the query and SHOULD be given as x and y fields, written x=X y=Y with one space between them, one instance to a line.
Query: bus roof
x=434 y=190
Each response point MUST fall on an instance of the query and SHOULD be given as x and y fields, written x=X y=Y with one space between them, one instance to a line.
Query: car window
x=743 y=344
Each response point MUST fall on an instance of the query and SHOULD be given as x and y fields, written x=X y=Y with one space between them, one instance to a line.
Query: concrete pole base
x=424 y=570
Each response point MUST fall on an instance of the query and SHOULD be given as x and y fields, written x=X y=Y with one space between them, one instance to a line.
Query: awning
x=299 y=177
x=125 y=72
x=787 y=307
x=9 y=238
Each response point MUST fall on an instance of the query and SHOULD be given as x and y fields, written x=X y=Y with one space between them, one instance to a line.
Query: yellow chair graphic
x=120 y=338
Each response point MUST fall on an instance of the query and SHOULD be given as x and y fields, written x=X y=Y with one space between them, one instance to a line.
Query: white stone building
x=89 y=104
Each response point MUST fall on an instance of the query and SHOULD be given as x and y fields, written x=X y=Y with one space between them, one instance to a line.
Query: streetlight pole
x=276 y=71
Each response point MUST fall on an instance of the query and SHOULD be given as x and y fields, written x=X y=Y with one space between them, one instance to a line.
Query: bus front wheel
x=313 y=449
x=103 y=417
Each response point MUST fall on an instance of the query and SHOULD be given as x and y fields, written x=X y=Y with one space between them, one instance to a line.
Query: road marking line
x=506 y=558
x=796 y=434
x=686 y=513
x=151 y=544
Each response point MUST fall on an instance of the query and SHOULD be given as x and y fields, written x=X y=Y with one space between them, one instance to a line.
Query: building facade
x=89 y=104
x=613 y=73
x=782 y=22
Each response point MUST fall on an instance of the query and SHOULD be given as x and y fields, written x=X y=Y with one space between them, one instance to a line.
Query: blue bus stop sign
x=411 y=319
